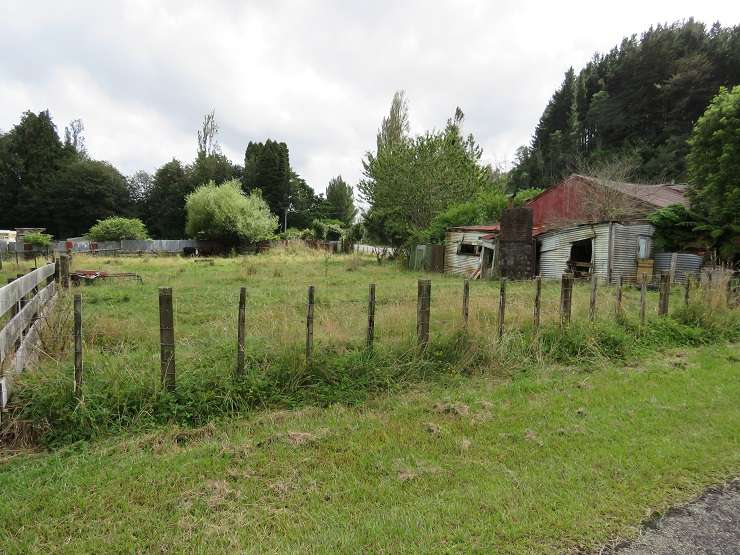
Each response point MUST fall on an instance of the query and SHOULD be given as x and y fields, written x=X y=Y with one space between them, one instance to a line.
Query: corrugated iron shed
x=614 y=250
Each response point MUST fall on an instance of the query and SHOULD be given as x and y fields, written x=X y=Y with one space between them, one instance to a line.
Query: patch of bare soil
x=710 y=524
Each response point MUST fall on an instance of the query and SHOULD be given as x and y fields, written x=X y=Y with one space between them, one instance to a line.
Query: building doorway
x=580 y=262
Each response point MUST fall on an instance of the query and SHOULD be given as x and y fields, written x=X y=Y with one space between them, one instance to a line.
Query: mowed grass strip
x=555 y=459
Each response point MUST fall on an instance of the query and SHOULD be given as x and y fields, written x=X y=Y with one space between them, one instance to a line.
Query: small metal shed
x=607 y=249
x=470 y=250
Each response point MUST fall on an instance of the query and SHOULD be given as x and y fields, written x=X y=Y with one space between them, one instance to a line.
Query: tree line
x=638 y=101
x=47 y=181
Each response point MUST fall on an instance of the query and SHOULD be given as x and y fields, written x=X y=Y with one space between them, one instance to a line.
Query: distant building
x=469 y=250
x=582 y=225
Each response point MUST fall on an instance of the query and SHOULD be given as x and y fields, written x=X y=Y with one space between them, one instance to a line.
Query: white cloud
x=317 y=75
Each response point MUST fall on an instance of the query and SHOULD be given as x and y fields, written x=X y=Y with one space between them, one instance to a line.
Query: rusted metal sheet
x=572 y=199
x=558 y=204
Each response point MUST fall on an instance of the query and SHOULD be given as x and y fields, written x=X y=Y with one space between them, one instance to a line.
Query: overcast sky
x=317 y=75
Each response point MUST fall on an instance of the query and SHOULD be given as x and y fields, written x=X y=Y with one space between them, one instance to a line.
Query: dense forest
x=47 y=181
x=639 y=103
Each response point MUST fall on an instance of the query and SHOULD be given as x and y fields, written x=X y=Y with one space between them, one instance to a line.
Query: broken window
x=643 y=247
x=468 y=249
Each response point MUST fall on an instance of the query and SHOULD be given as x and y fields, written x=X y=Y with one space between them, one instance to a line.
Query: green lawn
x=549 y=460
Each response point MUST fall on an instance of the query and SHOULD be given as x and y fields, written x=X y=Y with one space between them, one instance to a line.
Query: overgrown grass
x=122 y=389
x=11 y=270
x=555 y=459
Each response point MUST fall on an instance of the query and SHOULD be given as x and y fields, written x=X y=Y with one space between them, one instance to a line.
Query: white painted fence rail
x=13 y=292
x=29 y=318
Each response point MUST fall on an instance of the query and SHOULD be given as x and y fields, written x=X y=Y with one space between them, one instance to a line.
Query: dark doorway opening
x=581 y=254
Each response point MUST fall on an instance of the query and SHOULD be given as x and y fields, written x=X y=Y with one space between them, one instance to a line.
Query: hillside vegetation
x=638 y=102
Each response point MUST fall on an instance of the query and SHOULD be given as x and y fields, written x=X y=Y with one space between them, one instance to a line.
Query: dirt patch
x=432 y=429
x=454 y=409
x=531 y=435
x=172 y=440
x=300 y=438
x=291 y=438
x=216 y=494
x=421 y=468
x=710 y=524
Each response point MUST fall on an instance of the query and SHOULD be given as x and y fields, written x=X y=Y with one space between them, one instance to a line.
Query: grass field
x=554 y=459
x=121 y=338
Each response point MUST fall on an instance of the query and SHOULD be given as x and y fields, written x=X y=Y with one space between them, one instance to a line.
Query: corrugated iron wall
x=145 y=245
x=625 y=242
x=428 y=258
x=460 y=264
x=686 y=264
x=555 y=247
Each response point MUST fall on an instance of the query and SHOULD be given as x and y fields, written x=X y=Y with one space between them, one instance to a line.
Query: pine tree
x=340 y=201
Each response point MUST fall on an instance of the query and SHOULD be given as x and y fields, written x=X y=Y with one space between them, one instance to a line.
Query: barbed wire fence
x=487 y=311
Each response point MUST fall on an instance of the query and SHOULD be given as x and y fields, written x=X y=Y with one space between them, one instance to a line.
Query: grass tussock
x=122 y=388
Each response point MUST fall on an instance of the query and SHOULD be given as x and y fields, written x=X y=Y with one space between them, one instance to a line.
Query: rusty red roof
x=493 y=227
x=660 y=195
x=536 y=230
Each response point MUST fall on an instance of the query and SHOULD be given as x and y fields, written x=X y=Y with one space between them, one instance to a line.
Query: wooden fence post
x=501 y=307
x=56 y=269
x=728 y=293
x=643 y=300
x=566 y=295
x=64 y=268
x=78 y=345
x=592 y=302
x=423 y=302
x=665 y=292
x=618 y=298
x=466 y=303
x=240 y=331
x=537 y=302
x=687 y=291
x=167 y=338
x=371 y=316
x=708 y=288
x=309 y=324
